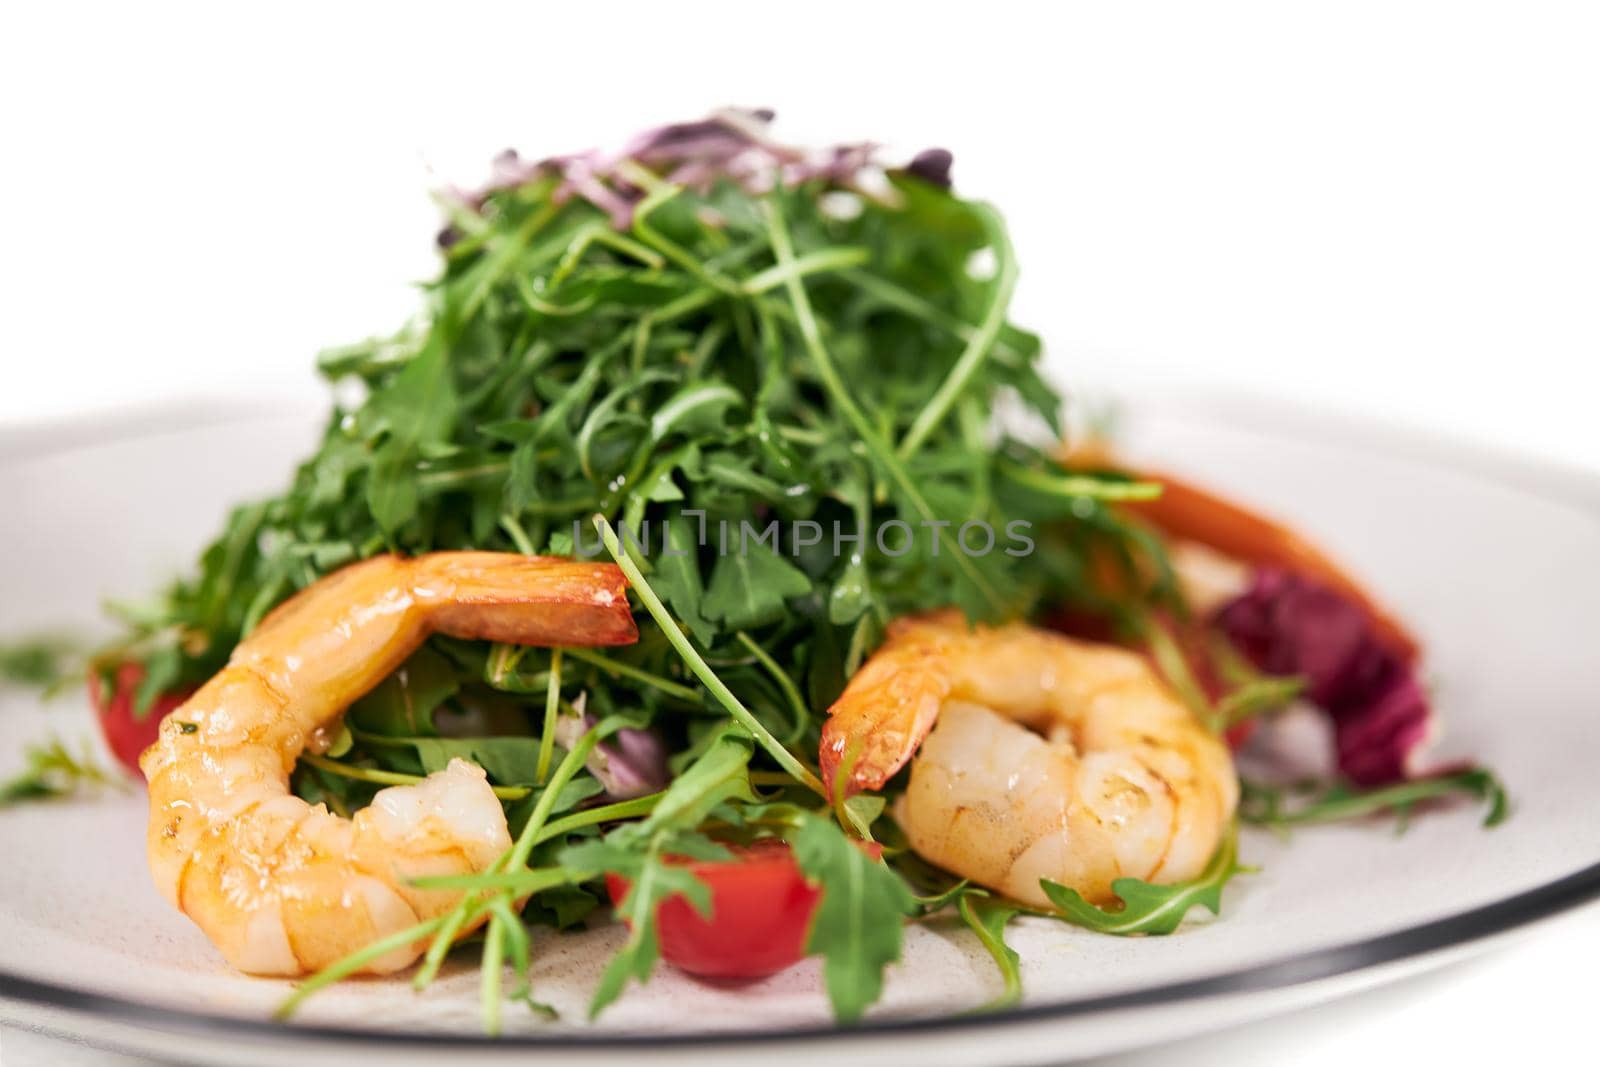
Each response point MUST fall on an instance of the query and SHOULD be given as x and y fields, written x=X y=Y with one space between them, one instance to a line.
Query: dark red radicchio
x=1287 y=624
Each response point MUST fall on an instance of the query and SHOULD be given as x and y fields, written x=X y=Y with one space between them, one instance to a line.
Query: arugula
x=1283 y=807
x=859 y=921
x=987 y=919
x=652 y=880
x=51 y=772
x=739 y=356
x=749 y=590
x=1147 y=908
x=45 y=661
x=639 y=852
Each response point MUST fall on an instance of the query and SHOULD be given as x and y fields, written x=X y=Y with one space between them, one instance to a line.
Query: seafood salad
x=710 y=556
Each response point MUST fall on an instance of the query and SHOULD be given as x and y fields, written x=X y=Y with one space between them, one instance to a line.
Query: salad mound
x=765 y=382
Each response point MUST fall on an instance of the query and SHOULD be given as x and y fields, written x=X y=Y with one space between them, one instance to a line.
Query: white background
x=1390 y=208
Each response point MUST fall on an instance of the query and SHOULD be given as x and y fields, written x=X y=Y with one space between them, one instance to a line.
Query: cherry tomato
x=761 y=908
x=126 y=735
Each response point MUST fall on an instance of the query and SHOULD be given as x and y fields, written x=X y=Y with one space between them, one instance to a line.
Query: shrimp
x=1041 y=757
x=283 y=887
x=1191 y=516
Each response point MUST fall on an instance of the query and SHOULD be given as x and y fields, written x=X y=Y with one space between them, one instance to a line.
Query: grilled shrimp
x=283 y=887
x=1041 y=757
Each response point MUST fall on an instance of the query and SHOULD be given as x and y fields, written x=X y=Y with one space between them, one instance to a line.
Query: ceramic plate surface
x=1491 y=559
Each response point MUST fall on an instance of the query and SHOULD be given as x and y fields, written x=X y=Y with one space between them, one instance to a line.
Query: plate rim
x=1410 y=943
x=1558 y=482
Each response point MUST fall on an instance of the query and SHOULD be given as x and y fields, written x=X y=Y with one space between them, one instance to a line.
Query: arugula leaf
x=403 y=703
x=509 y=760
x=677 y=577
x=653 y=881
x=638 y=852
x=40 y=661
x=722 y=773
x=565 y=906
x=750 y=588
x=987 y=919
x=1278 y=808
x=1151 y=909
x=859 y=921
x=53 y=772
x=418 y=409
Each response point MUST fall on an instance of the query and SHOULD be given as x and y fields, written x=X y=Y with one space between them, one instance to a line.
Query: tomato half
x=126 y=735
x=761 y=908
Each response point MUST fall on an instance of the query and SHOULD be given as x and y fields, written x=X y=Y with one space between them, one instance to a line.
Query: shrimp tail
x=876 y=725
x=528 y=600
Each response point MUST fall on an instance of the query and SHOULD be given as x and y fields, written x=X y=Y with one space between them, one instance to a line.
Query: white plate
x=1490 y=558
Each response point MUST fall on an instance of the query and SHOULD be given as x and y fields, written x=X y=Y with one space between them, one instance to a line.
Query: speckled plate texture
x=1492 y=559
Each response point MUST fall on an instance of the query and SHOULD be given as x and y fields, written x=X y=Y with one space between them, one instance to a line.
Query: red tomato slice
x=126 y=735
x=761 y=908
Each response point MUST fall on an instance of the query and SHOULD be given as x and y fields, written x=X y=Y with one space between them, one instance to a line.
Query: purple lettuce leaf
x=1288 y=624
x=630 y=764
x=732 y=144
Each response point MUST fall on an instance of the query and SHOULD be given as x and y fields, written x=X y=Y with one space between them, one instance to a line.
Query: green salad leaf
x=639 y=851
x=1280 y=808
x=45 y=661
x=987 y=919
x=54 y=771
x=1147 y=908
x=860 y=919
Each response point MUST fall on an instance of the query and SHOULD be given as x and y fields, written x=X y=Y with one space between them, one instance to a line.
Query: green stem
x=801 y=713
x=449 y=479
x=877 y=445
x=450 y=925
x=370 y=774
x=552 y=708
x=354 y=962
x=904 y=300
x=978 y=345
x=1333 y=808
x=494 y=947
x=702 y=670
x=657 y=193
x=619 y=669
x=517 y=857
x=1261 y=696
x=779 y=778
x=1078 y=485
x=1173 y=666
x=564 y=773
x=993 y=939
x=501 y=663
x=600 y=233
x=518 y=883
x=622 y=809
x=825 y=259
x=518 y=535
